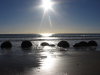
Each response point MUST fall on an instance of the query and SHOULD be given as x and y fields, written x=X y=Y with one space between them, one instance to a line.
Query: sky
x=66 y=16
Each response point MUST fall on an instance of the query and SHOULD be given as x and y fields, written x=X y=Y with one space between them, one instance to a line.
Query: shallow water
x=47 y=60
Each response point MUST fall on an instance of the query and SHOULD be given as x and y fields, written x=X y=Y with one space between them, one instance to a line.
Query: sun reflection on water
x=46 y=34
x=48 y=63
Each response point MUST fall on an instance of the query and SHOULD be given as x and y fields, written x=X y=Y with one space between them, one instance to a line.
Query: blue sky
x=72 y=16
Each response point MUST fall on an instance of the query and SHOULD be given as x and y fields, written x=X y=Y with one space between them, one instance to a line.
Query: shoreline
x=61 y=62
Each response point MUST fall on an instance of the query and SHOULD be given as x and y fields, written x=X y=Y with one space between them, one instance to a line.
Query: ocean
x=48 y=60
x=37 y=39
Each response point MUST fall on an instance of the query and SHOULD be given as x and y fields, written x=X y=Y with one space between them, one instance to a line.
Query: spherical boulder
x=44 y=44
x=6 y=44
x=26 y=44
x=63 y=44
x=83 y=44
x=92 y=43
x=77 y=45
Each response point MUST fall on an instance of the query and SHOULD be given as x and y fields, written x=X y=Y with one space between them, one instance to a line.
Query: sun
x=47 y=4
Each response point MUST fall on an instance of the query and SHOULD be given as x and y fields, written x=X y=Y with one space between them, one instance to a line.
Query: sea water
x=37 y=39
x=43 y=60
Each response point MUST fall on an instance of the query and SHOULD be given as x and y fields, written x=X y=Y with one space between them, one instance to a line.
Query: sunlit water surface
x=46 y=60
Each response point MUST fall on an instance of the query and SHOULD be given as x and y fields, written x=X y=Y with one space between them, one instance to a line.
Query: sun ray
x=50 y=21
x=57 y=15
x=42 y=20
x=47 y=6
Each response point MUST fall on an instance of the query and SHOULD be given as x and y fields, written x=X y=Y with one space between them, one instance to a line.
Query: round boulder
x=6 y=44
x=63 y=44
x=26 y=44
x=77 y=45
x=92 y=43
x=83 y=44
x=44 y=44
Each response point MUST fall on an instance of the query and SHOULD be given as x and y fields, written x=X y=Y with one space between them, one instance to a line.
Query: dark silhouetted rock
x=44 y=44
x=83 y=44
x=77 y=45
x=26 y=44
x=6 y=44
x=92 y=43
x=52 y=45
x=63 y=44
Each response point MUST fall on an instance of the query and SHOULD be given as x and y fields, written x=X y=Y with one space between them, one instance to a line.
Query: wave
x=43 y=36
x=54 y=35
x=48 y=39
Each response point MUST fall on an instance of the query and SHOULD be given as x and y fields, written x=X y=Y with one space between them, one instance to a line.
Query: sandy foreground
x=51 y=63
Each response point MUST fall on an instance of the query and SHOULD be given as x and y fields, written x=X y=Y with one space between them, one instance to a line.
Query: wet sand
x=51 y=63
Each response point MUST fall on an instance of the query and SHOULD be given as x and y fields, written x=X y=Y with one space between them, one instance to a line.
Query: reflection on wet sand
x=48 y=61
x=16 y=64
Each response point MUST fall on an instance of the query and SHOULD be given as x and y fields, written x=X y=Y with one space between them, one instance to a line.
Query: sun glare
x=47 y=4
x=46 y=34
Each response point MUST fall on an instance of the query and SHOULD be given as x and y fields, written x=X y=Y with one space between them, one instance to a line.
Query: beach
x=49 y=60
x=57 y=63
x=49 y=37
